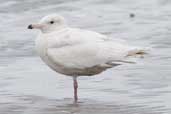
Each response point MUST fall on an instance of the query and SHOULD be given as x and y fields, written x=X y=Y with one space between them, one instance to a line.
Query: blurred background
x=28 y=86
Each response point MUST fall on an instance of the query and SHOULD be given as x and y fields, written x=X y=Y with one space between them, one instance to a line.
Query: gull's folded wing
x=88 y=54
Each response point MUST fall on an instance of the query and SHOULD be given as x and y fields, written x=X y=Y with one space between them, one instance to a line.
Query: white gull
x=76 y=52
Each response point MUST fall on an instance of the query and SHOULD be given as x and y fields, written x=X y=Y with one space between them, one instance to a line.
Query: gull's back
x=74 y=51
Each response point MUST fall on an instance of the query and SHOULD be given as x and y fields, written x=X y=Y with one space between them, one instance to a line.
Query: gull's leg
x=75 y=84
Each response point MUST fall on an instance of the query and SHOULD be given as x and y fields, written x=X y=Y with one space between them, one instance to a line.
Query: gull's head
x=49 y=23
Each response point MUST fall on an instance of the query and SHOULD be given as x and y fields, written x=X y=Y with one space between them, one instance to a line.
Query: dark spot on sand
x=132 y=15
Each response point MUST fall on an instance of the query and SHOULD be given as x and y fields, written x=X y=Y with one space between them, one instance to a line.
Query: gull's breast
x=41 y=46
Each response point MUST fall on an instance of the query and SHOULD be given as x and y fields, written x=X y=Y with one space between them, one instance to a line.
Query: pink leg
x=75 y=89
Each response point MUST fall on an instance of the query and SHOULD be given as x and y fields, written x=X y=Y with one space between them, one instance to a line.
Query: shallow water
x=28 y=86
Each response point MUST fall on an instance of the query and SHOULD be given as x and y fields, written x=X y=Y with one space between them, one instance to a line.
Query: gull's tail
x=139 y=52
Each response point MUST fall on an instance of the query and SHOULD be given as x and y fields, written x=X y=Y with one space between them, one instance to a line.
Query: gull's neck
x=59 y=28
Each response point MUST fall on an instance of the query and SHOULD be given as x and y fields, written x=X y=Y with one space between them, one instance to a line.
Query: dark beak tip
x=30 y=27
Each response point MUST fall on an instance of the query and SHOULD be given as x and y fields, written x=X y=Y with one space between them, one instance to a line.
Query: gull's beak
x=30 y=27
x=35 y=26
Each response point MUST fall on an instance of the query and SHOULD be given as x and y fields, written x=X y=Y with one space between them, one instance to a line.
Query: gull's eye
x=51 y=22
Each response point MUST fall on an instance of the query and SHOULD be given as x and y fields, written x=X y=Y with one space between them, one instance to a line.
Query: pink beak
x=35 y=26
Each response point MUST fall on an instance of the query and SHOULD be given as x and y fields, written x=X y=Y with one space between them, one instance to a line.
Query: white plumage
x=77 y=52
